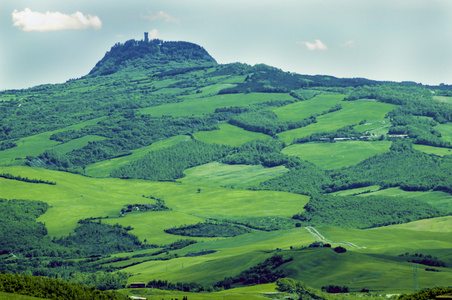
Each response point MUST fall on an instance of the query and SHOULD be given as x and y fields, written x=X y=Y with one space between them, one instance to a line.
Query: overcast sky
x=51 y=41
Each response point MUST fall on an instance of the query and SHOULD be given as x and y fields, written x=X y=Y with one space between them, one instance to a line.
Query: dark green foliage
x=192 y=287
x=7 y=145
x=265 y=121
x=209 y=229
x=261 y=152
x=128 y=132
x=265 y=272
x=50 y=159
x=264 y=223
x=422 y=259
x=403 y=166
x=26 y=179
x=334 y=289
x=20 y=232
x=304 y=94
x=159 y=206
x=48 y=288
x=169 y=163
x=427 y=294
x=154 y=54
x=96 y=238
x=364 y=212
x=305 y=178
x=266 y=79
x=339 y=249
x=289 y=285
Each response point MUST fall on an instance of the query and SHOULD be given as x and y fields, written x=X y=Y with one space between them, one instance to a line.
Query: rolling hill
x=98 y=173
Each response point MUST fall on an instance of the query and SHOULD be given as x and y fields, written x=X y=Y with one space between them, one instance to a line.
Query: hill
x=162 y=165
x=155 y=55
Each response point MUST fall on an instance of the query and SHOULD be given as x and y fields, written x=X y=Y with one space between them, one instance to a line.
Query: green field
x=78 y=197
x=445 y=130
x=240 y=176
x=352 y=112
x=207 y=105
x=433 y=150
x=443 y=99
x=438 y=199
x=37 y=144
x=229 y=135
x=330 y=156
x=304 y=109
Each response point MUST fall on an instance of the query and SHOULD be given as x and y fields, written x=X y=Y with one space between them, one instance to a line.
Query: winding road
x=315 y=233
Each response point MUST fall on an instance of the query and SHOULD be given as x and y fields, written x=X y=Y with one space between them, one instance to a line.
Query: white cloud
x=347 y=44
x=317 y=45
x=153 y=34
x=28 y=20
x=161 y=15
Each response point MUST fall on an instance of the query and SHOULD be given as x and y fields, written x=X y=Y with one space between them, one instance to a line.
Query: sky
x=51 y=41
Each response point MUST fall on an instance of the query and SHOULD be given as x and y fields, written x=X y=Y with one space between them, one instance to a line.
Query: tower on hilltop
x=146 y=37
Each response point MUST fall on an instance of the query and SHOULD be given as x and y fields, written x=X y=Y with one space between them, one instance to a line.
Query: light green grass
x=233 y=255
x=229 y=135
x=37 y=144
x=446 y=131
x=151 y=225
x=241 y=176
x=352 y=112
x=321 y=267
x=438 y=199
x=357 y=190
x=76 y=197
x=433 y=150
x=304 y=109
x=199 y=106
x=443 y=99
x=442 y=224
x=103 y=168
x=337 y=155
x=262 y=291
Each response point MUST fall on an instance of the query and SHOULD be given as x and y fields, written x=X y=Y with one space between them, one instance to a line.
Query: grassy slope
x=241 y=176
x=106 y=196
x=438 y=199
x=433 y=150
x=228 y=135
x=304 y=109
x=446 y=131
x=337 y=155
x=199 y=106
x=76 y=197
x=352 y=113
x=37 y=144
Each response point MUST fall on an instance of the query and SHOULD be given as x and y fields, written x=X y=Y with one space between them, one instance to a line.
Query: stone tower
x=146 y=37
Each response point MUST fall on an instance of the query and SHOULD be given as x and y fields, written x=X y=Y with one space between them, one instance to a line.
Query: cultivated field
x=330 y=156
x=352 y=112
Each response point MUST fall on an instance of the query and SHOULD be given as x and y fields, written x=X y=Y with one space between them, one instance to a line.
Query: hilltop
x=155 y=55
x=162 y=165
